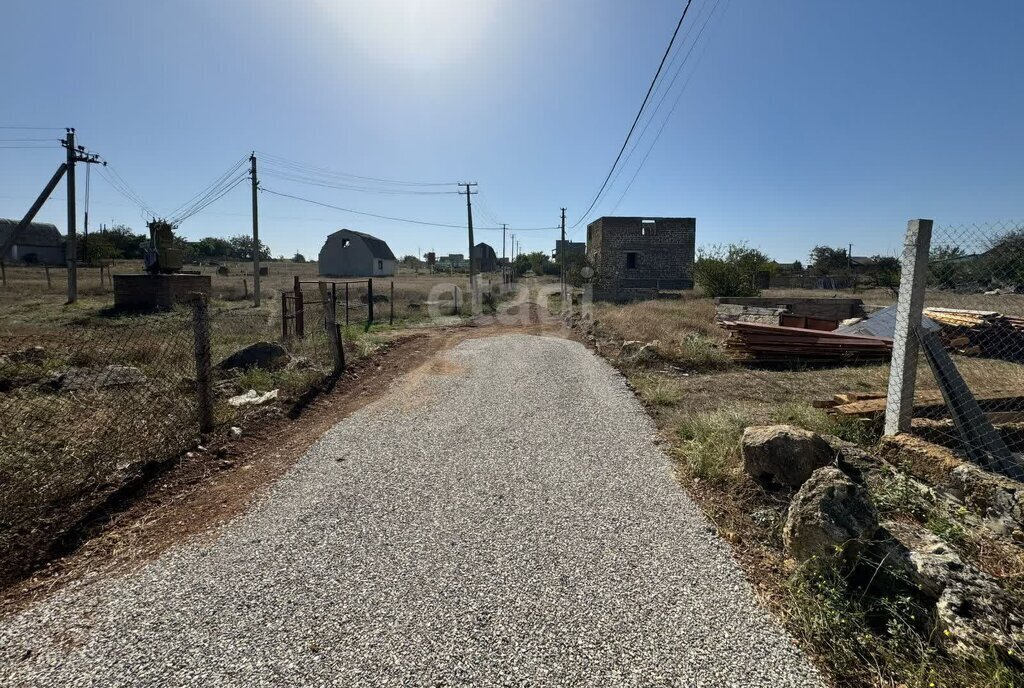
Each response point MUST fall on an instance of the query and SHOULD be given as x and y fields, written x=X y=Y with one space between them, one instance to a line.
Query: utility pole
x=74 y=154
x=504 y=266
x=469 y=224
x=255 y=234
x=561 y=258
x=71 y=252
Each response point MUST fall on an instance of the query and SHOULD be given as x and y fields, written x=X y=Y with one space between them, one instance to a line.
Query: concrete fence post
x=899 y=409
x=204 y=372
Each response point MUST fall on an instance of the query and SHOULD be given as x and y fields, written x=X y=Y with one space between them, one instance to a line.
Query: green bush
x=730 y=270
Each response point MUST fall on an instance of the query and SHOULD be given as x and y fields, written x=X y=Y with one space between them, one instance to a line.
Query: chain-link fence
x=86 y=407
x=82 y=407
x=958 y=368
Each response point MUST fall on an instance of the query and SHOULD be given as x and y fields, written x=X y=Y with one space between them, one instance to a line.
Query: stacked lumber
x=980 y=333
x=1000 y=405
x=756 y=342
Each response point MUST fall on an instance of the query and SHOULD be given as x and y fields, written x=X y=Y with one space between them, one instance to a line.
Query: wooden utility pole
x=255 y=234
x=469 y=224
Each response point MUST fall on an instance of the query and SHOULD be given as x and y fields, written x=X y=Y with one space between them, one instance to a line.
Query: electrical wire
x=213 y=189
x=35 y=128
x=640 y=112
x=668 y=89
x=48 y=140
x=272 y=172
x=668 y=117
x=396 y=219
x=322 y=171
x=210 y=200
x=127 y=193
x=132 y=195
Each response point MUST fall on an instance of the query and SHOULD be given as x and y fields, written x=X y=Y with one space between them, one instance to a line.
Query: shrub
x=730 y=270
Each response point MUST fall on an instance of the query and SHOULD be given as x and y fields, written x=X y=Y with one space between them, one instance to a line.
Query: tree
x=538 y=262
x=99 y=248
x=209 y=248
x=885 y=272
x=826 y=260
x=298 y=258
x=242 y=248
x=730 y=270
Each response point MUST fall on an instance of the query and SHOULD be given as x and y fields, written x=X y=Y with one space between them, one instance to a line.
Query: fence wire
x=972 y=343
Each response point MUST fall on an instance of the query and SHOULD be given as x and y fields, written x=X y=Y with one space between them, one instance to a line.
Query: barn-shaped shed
x=348 y=253
x=39 y=242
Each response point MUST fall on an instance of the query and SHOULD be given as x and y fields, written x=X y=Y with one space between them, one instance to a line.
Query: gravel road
x=501 y=517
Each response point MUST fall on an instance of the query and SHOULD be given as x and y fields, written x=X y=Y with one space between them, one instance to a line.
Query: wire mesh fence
x=82 y=407
x=968 y=394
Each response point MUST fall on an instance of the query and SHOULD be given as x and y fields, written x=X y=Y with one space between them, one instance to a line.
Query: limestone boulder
x=784 y=454
x=830 y=519
x=265 y=355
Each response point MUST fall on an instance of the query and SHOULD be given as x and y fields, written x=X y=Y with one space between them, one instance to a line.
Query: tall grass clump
x=710 y=443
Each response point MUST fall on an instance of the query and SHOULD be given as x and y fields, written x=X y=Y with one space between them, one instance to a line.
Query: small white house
x=348 y=253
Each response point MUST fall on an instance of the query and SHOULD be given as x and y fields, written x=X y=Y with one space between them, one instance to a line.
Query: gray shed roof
x=378 y=247
x=36 y=234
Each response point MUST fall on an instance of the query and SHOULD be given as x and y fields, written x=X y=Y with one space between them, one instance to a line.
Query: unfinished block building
x=635 y=257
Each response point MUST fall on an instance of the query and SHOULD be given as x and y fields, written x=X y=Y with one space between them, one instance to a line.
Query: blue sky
x=802 y=121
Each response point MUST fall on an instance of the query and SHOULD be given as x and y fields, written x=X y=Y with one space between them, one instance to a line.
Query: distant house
x=484 y=258
x=38 y=243
x=348 y=253
x=453 y=261
x=636 y=257
x=572 y=248
x=862 y=264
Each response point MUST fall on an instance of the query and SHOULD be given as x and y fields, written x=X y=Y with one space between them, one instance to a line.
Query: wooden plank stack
x=980 y=333
x=761 y=343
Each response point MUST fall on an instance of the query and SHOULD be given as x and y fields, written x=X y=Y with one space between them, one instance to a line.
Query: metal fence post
x=204 y=376
x=391 y=317
x=333 y=331
x=369 y=302
x=899 y=409
x=299 y=310
x=346 y=304
x=284 y=315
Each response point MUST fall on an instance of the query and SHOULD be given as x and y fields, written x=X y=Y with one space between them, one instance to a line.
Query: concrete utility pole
x=255 y=234
x=561 y=257
x=71 y=252
x=469 y=224
x=504 y=267
x=75 y=154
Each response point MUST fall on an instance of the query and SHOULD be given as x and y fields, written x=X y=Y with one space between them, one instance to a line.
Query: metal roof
x=36 y=234
x=378 y=247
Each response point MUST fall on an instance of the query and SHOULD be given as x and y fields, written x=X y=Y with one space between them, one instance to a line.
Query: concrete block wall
x=664 y=254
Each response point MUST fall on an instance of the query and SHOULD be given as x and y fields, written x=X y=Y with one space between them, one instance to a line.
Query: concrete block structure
x=143 y=291
x=636 y=257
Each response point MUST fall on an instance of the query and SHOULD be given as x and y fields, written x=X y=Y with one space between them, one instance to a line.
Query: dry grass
x=703 y=408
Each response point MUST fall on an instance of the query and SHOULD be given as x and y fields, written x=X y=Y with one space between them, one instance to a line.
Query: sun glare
x=413 y=34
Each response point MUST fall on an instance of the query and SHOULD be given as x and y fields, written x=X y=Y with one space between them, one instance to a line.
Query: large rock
x=830 y=518
x=90 y=379
x=783 y=453
x=265 y=355
x=972 y=613
x=635 y=351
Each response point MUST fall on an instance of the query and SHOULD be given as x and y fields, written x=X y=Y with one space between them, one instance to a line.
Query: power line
x=395 y=219
x=211 y=190
x=637 y=118
x=675 y=104
x=35 y=128
x=303 y=167
x=271 y=172
x=668 y=89
x=48 y=140
x=210 y=200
